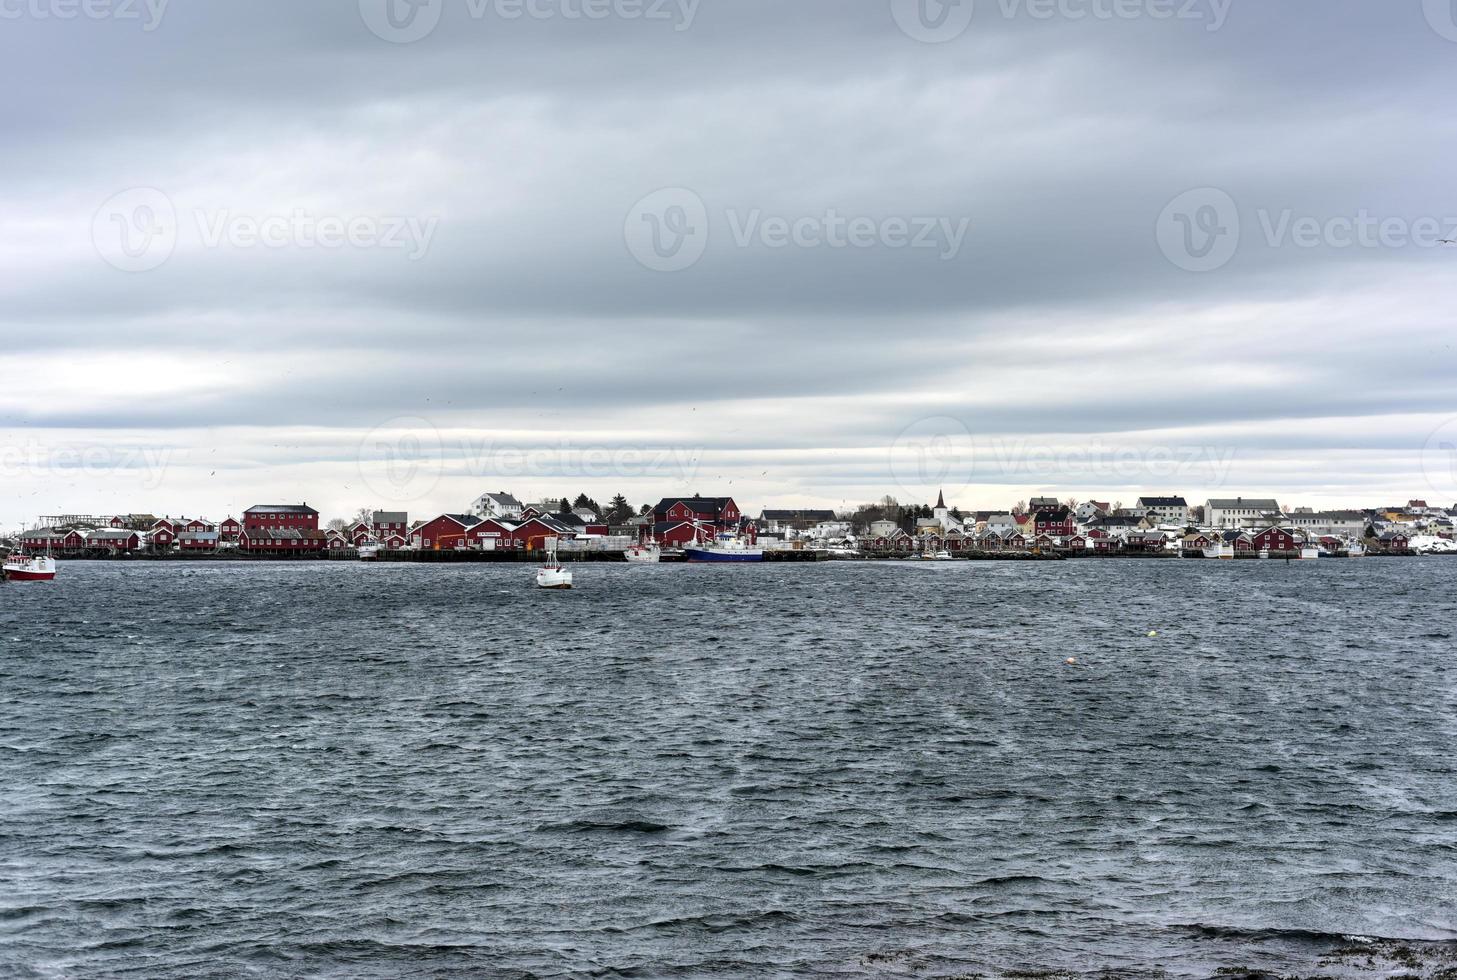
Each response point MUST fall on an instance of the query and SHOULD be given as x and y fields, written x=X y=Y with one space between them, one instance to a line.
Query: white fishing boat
x=369 y=552
x=29 y=568
x=1356 y=550
x=644 y=554
x=552 y=574
x=942 y=556
x=1309 y=553
x=1221 y=551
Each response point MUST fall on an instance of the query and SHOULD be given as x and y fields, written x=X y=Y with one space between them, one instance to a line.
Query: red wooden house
x=1276 y=539
x=492 y=534
x=532 y=534
x=198 y=541
x=230 y=529
x=448 y=532
x=164 y=534
x=297 y=517
x=53 y=541
x=1059 y=522
x=114 y=540
x=358 y=533
x=281 y=541
x=714 y=515
x=383 y=523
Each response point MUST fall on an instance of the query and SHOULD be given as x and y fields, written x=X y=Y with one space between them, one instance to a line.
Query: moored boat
x=644 y=554
x=728 y=547
x=29 y=568
x=552 y=574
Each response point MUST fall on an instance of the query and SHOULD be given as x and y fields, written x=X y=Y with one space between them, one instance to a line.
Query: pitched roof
x=1162 y=502
x=797 y=515
x=1240 y=503
x=281 y=509
x=699 y=505
x=390 y=517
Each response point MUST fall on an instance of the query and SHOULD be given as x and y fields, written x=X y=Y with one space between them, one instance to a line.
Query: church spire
x=940 y=500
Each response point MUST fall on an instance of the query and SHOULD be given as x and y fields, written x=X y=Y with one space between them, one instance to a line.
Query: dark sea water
x=837 y=770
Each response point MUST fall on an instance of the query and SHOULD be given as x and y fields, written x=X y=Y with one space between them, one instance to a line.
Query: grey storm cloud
x=1038 y=152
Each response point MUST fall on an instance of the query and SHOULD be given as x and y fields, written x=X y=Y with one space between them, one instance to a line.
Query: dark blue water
x=835 y=770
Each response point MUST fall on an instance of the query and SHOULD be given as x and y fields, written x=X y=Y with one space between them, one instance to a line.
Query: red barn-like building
x=448 y=532
x=1276 y=539
x=710 y=515
x=282 y=540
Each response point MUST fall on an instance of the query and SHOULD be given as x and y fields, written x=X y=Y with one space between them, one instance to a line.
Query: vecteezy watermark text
x=139 y=229
x=148 y=13
x=407 y=21
x=938 y=21
x=669 y=230
x=34 y=458
x=1201 y=230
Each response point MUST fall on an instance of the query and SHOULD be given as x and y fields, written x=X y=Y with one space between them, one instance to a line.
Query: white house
x=1239 y=511
x=497 y=505
x=1166 y=510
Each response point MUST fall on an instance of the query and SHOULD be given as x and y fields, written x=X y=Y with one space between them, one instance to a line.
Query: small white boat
x=942 y=556
x=552 y=574
x=1357 y=550
x=29 y=568
x=1264 y=552
x=644 y=554
x=1309 y=553
x=369 y=552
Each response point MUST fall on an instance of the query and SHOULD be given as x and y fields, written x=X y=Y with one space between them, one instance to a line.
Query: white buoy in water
x=1152 y=634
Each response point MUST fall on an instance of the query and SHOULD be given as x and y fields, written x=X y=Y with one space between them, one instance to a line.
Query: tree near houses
x=337 y=524
x=618 y=510
x=1019 y=508
x=365 y=516
x=566 y=507
x=585 y=501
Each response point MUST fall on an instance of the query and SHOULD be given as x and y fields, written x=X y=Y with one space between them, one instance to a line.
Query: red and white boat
x=30 y=568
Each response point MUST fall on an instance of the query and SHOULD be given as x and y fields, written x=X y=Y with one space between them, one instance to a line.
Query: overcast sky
x=805 y=252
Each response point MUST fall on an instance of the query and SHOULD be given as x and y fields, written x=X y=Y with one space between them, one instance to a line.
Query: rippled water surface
x=832 y=770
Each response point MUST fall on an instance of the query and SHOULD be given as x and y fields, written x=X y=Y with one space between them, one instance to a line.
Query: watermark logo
x=1199 y=231
x=1439 y=462
x=401 y=21
x=136 y=230
x=933 y=21
x=402 y=460
x=139 y=229
x=667 y=231
x=939 y=21
x=1442 y=16
x=932 y=455
x=407 y=21
x=148 y=13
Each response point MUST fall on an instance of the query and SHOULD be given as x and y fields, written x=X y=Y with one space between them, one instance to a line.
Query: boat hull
x=553 y=579
x=704 y=555
x=20 y=576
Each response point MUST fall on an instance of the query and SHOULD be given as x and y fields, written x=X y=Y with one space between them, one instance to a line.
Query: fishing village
x=497 y=526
